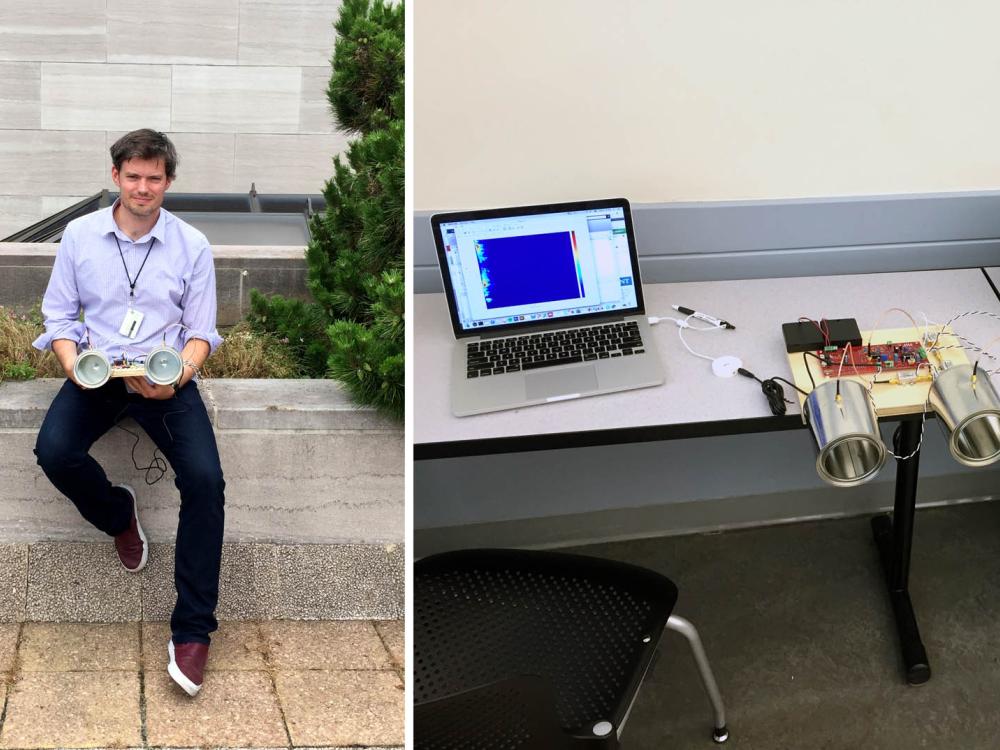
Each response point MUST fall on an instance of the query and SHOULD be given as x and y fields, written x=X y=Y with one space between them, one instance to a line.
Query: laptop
x=546 y=304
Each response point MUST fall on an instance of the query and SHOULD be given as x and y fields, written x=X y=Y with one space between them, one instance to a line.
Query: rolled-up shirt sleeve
x=61 y=303
x=199 y=302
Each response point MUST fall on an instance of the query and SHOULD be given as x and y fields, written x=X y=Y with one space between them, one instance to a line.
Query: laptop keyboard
x=537 y=350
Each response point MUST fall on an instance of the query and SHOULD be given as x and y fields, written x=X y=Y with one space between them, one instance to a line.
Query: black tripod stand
x=894 y=537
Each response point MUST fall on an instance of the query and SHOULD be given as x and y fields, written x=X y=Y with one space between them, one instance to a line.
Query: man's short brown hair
x=145 y=144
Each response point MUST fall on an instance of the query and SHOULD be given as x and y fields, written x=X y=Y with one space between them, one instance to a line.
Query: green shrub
x=300 y=325
x=354 y=329
x=17 y=371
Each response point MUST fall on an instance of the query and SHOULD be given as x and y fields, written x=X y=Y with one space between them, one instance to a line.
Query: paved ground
x=270 y=684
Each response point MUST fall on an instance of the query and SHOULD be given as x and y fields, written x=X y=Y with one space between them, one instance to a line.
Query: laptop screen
x=538 y=267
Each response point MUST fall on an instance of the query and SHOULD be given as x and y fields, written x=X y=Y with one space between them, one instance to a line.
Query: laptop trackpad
x=564 y=382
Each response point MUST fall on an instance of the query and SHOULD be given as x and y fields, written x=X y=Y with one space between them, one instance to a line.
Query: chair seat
x=589 y=626
x=513 y=714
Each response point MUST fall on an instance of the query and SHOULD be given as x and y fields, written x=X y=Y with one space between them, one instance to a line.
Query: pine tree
x=354 y=330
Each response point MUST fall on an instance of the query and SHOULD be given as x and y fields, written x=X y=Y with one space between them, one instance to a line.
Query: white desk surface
x=994 y=273
x=691 y=393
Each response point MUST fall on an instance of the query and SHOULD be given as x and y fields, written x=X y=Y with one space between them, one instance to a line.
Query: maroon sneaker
x=187 y=665
x=131 y=543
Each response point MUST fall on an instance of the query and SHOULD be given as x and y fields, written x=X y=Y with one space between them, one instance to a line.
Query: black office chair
x=526 y=650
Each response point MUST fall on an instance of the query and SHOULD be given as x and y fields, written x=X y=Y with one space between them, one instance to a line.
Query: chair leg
x=685 y=628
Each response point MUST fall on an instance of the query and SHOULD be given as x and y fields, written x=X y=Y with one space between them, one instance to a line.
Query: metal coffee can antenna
x=969 y=410
x=850 y=447
x=92 y=368
x=164 y=365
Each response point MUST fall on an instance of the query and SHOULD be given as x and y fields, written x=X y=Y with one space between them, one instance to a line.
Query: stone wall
x=239 y=85
x=314 y=511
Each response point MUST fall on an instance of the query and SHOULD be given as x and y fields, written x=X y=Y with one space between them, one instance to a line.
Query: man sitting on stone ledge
x=141 y=277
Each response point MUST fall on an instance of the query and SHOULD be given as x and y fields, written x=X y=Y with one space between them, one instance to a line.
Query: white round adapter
x=726 y=367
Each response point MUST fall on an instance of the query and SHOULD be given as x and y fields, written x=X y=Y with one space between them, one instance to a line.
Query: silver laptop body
x=546 y=304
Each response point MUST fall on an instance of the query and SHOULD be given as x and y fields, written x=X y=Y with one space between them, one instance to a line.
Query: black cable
x=158 y=464
x=806 y=363
x=773 y=391
x=789 y=382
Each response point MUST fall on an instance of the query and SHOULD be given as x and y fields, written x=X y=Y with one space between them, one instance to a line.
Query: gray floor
x=800 y=634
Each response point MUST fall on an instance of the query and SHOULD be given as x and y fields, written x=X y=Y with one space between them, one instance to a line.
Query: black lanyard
x=131 y=281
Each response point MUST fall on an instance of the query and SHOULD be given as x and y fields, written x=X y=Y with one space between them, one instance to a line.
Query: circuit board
x=889 y=357
x=890 y=400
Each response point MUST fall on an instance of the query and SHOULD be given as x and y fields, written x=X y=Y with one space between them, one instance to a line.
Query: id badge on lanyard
x=133 y=318
x=131 y=323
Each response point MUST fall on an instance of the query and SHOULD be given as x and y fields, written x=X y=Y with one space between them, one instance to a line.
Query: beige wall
x=238 y=84
x=525 y=101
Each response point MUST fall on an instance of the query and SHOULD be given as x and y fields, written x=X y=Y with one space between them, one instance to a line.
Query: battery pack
x=806 y=337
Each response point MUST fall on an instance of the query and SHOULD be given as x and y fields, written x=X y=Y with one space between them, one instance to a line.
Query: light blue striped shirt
x=177 y=285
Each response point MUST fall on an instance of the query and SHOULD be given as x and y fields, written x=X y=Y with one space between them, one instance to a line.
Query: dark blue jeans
x=181 y=430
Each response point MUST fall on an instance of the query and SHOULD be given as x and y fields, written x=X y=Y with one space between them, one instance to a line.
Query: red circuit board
x=889 y=357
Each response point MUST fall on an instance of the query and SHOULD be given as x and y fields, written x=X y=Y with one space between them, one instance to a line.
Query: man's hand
x=147 y=390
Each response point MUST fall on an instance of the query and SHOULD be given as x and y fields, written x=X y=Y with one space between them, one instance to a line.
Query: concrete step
x=84 y=582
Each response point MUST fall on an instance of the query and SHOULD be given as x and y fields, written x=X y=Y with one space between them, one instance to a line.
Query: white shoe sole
x=177 y=675
x=138 y=526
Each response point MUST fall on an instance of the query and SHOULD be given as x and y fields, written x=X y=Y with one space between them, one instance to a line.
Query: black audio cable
x=157 y=468
x=773 y=391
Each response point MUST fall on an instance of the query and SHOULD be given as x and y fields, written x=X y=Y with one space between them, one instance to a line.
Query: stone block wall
x=239 y=85
x=302 y=462
x=314 y=511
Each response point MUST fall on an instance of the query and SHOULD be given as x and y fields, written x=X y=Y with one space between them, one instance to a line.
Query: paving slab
x=233 y=709
x=8 y=646
x=393 y=634
x=342 y=709
x=350 y=644
x=236 y=646
x=79 y=647
x=13 y=581
x=73 y=709
x=70 y=582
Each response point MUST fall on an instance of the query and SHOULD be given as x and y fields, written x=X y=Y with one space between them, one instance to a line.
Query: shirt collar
x=111 y=226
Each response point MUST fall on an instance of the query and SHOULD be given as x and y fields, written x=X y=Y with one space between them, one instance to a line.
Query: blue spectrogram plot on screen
x=528 y=270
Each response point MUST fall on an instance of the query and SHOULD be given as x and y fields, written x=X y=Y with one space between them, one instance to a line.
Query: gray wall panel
x=710 y=227
x=818 y=261
x=767 y=239
x=562 y=497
